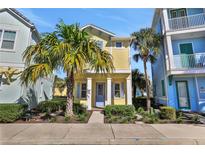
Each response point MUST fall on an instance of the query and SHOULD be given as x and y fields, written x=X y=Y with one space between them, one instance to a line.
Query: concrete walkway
x=96 y=117
x=96 y=133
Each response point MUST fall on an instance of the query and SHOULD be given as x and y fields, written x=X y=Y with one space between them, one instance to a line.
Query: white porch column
x=129 y=90
x=166 y=19
x=109 y=91
x=89 y=93
x=170 y=51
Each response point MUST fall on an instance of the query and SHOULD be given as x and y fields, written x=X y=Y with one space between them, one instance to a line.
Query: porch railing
x=187 y=21
x=196 y=60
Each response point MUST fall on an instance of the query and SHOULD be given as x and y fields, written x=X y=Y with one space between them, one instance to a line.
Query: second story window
x=100 y=44
x=118 y=44
x=7 y=39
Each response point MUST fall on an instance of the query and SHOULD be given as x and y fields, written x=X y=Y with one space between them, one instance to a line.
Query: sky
x=122 y=22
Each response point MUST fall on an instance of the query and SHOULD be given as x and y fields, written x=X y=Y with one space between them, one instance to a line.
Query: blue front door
x=100 y=94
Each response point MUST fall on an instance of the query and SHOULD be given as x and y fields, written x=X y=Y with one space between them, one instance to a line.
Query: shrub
x=119 y=110
x=140 y=110
x=79 y=108
x=151 y=116
x=11 y=112
x=195 y=118
x=168 y=113
x=60 y=104
x=119 y=113
x=66 y=118
x=82 y=117
x=51 y=106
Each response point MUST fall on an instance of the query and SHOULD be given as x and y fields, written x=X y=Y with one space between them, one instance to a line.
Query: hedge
x=11 y=112
x=168 y=113
x=119 y=113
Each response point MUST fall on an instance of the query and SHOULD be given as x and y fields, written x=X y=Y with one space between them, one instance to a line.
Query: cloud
x=37 y=20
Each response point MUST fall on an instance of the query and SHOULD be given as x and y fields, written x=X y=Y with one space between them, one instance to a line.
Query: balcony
x=187 y=22
x=189 y=61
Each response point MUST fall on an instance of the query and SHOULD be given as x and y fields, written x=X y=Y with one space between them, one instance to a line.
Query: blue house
x=179 y=72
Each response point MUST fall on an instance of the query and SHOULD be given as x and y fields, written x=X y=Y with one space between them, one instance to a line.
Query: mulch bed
x=59 y=118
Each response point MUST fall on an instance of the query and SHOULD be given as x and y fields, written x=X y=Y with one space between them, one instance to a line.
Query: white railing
x=196 y=60
x=187 y=21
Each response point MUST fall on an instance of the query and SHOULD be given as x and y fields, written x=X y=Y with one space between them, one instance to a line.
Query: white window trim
x=120 y=97
x=186 y=43
x=1 y=39
x=119 y=47
x=81 y=90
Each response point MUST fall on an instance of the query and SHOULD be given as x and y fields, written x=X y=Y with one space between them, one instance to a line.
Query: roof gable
x=99 y=29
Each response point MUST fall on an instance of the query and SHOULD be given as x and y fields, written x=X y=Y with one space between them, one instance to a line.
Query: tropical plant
x=146 y=43
x=68 y=48
x=9 y=74
x=138 y=81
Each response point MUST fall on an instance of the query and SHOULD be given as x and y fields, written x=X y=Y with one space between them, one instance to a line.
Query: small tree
x=146 y=43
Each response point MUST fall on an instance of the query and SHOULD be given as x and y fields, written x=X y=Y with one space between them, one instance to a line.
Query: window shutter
x=122 y=92
x=78 y=90
x=112 y=90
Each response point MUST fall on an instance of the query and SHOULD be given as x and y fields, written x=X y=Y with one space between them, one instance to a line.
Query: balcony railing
x=187 y=61
x=187 y=22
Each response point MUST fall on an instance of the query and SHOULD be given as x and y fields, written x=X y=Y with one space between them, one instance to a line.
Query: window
x=7 y=39
x=118 y=44
x=100 y=44
x=83 y=90
x=186 y=48
x=117 y=90
x=163 y=88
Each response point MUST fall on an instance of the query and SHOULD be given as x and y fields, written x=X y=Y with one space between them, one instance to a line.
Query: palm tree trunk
x=70 y=86
x=147 y=86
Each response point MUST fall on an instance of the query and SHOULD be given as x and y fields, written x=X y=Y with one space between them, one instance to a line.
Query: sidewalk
x=96 y=133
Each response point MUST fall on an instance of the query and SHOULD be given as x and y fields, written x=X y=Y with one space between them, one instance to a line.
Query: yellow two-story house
x=98 y=89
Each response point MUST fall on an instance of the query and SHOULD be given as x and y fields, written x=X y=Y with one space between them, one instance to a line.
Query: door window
x=182 y=94
x=100 y=89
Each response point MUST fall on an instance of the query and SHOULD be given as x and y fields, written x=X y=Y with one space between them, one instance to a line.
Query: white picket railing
x=196 y=60
x=187 y=21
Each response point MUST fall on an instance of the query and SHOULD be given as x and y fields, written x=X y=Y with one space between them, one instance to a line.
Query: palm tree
x=146 y=43
x=68 y=48
x=138 y=81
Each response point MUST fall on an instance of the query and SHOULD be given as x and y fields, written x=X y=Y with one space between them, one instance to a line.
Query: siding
x=198 y=44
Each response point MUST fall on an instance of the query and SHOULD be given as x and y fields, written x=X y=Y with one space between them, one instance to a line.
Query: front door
x=100 y=94
x=182 y=94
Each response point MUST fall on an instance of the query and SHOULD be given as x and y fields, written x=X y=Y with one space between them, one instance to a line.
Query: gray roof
x=22 y=16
